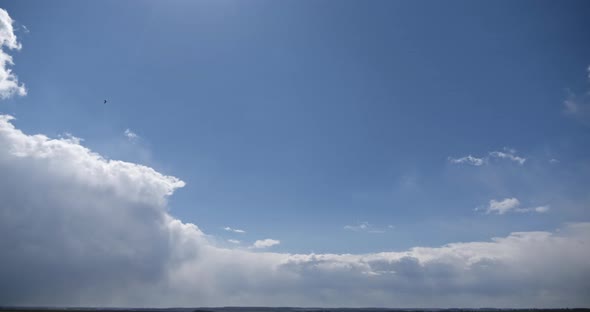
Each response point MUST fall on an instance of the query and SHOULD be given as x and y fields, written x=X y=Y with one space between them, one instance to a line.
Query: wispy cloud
x=367 y=227
x=506 y=205
x=234 y=241
x=9 y=84
x=510 y=156
x=539 y=209
x=505 y=154
x=229 y=229
x=132 y=136
x=577 y=106
x=470 y=160
x=265 y=243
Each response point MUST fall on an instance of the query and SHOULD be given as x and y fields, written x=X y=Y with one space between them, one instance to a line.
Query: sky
x=295 y=153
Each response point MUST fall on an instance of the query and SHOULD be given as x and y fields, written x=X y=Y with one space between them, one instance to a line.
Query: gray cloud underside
x=78 y=229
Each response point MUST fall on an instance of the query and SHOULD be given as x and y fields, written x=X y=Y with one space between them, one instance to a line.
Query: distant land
x=276 y=309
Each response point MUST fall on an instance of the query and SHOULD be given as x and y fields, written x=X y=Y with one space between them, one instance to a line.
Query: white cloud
x=553 y=161
x=361 y=227
x=265 y=243
x=130 y=135
x=507 y=154
x=9 y=84
x=539 y=209
x=234 y=241
x=502 y=206
x=229 y=229
x=511 y=204
x=82 y=230
x=367 y=227
x=470 y=160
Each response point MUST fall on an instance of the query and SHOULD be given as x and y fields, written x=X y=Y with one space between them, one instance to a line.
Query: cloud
x=539 y=209
x=9 y=84
x=233 y=241
x=265 y=243
x=362 y=226
x=511 y=204
x=132 y=136
x=510 y=156
x=470 y=160
x=367 y=227
x=507 y=154
x=502 y=206
x=77 y=229
x=229 y=229
x=577 y=106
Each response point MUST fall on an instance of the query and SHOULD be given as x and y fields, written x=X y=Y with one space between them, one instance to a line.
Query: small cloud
x=132 y=136
x=470 y=160
x=577 y=106
x=367 y=227
x=361 y=227
x=540 y=209
x=506 y=154
x=234 y=241
x=505 y=205
x=509 y=154
x=25 y=29
x=265 y=243
x=229 y=229
x=502 y=206
x=553 y=161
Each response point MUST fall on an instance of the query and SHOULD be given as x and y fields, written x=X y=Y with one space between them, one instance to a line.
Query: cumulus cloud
x=506 y=154
x=265 y=243
x=229 y=229
x=77 y=229
x=511 y=204
x=132 y=136
x=502 y=206
x=9 y=84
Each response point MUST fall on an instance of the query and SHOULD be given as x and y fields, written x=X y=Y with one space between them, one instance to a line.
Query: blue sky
x=295 y=153
x=294 y=119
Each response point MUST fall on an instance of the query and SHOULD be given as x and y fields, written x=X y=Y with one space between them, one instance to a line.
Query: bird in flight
x=105 y=101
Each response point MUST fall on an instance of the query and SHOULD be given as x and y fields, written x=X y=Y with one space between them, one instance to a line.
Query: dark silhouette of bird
x=105 y=101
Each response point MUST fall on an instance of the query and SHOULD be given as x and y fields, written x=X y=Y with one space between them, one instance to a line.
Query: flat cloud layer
x=79 y=229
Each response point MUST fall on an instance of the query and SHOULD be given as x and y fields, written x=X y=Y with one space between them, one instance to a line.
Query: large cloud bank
x=78 y=229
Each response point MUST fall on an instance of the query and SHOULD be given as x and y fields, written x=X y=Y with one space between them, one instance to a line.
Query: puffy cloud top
x=79 y=229
x=9 y=84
